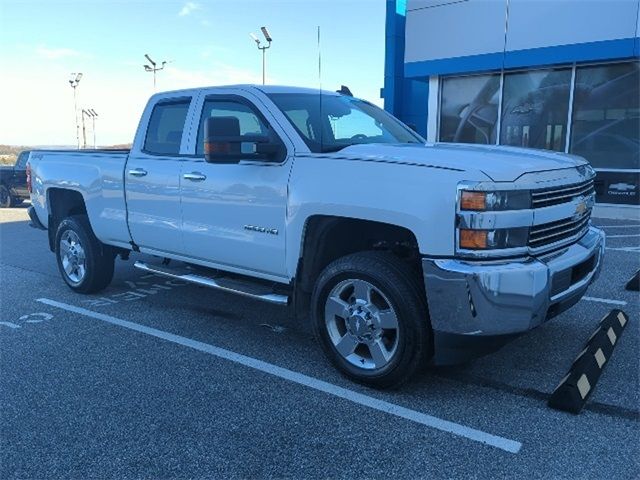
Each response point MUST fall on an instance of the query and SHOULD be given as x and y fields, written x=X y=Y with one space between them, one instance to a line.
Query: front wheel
x=370 y=317
x=86 y=265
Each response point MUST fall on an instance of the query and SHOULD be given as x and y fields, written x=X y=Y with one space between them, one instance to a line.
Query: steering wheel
x=479 y=116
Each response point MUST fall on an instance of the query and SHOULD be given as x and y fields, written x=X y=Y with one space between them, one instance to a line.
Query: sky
x=206 y=42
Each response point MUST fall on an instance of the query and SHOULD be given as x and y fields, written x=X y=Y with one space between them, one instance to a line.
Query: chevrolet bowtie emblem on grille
x=581 y=208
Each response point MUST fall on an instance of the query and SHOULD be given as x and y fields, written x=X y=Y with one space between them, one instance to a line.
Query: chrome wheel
x=362 y=324
x=72 y=256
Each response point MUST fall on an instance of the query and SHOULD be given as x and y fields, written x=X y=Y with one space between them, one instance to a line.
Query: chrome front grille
x=556 y=195
x=565 y=229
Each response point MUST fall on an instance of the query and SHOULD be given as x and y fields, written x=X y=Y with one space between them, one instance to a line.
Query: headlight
x=492 y=239
x=495 y=201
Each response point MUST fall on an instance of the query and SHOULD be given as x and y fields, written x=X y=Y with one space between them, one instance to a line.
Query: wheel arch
x=326 y=238
x=62 y=203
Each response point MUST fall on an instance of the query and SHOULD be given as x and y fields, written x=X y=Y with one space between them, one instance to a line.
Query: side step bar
x=212 y=283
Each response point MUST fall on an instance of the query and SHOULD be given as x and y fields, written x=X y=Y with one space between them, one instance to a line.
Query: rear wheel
x=371 y=319
x=6 y=200
x=86 y=265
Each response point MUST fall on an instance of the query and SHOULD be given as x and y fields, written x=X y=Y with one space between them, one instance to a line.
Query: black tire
x=404 y=294
x=99 y=258
x=6 y=199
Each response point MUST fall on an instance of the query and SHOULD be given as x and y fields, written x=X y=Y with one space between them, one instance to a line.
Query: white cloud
x=188 y=8
x=57 y=53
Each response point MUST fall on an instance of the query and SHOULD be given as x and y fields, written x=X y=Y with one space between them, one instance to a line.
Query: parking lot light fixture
x=154 y=68
x=74 y=80
x=263 y=48
x=265 y=32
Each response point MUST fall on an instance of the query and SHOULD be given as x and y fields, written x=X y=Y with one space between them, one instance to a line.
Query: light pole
x=94 y=115
x=74 y=80
x=91 y=113
x=154 y=68
x=264 y=48
x=84 y=129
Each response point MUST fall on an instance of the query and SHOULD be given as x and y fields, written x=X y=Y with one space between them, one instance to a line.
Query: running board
x=215 y=283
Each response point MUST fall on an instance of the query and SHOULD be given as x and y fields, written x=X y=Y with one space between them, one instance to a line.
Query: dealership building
x=560 y=75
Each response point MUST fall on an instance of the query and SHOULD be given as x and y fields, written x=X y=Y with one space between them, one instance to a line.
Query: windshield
x=329 y=123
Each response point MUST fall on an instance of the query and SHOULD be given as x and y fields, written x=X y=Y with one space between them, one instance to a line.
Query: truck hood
x=499 y=163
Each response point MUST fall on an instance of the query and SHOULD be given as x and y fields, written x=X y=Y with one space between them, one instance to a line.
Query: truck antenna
x=320 y=122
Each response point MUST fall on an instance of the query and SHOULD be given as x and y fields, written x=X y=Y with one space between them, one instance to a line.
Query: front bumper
x=475 y=307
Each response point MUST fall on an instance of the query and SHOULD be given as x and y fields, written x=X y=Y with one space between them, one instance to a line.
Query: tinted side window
x=166 y=124
x=249 y=121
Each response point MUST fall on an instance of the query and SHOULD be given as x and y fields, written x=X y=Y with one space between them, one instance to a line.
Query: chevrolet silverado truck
x=13 y=182
x=400 y=253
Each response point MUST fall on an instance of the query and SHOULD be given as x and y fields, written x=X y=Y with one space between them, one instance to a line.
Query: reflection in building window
x=606 y=115
x=534 y=109
x=469 y=109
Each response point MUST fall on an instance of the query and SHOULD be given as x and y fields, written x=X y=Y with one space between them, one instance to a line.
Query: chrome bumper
x=469 y=299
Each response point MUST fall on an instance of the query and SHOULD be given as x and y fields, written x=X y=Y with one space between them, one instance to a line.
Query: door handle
x=194 y=176
x=138 y=172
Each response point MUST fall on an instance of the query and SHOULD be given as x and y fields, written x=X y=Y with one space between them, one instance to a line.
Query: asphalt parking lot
x=153 y=378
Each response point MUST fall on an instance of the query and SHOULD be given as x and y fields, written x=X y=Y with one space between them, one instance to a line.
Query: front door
x=152 y=180
x=233 y=215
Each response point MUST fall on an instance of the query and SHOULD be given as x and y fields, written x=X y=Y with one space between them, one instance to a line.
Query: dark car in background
x=13 y=182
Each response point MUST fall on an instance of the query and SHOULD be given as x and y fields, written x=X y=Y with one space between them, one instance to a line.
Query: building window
x=535 y=108
x=606 y=115
x=605 y=119
x=469 y=109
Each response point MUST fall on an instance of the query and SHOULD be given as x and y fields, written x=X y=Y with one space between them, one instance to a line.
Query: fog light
x=473 y=239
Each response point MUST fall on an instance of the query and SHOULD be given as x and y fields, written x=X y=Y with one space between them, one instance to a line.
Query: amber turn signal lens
x=473 y=239
x=473 y=200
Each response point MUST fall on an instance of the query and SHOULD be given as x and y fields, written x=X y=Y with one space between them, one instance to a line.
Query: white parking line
x=605 y=300
x=505 y=444
x=624 y=249
x=636 y=225
x=624 y=236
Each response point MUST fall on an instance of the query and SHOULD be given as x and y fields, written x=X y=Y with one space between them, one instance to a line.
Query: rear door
x=234 y=215
x=152 y=178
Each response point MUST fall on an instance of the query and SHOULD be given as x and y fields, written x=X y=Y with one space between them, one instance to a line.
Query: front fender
x=419 y=198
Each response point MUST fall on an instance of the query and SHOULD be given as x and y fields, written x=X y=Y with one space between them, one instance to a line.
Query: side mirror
x=224 y=144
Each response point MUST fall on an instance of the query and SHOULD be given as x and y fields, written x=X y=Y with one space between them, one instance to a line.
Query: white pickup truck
x=402 y=253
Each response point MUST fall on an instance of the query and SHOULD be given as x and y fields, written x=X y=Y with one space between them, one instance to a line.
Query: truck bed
x=97 y=175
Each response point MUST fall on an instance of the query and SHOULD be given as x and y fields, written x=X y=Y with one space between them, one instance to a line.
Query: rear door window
x=166 y=125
